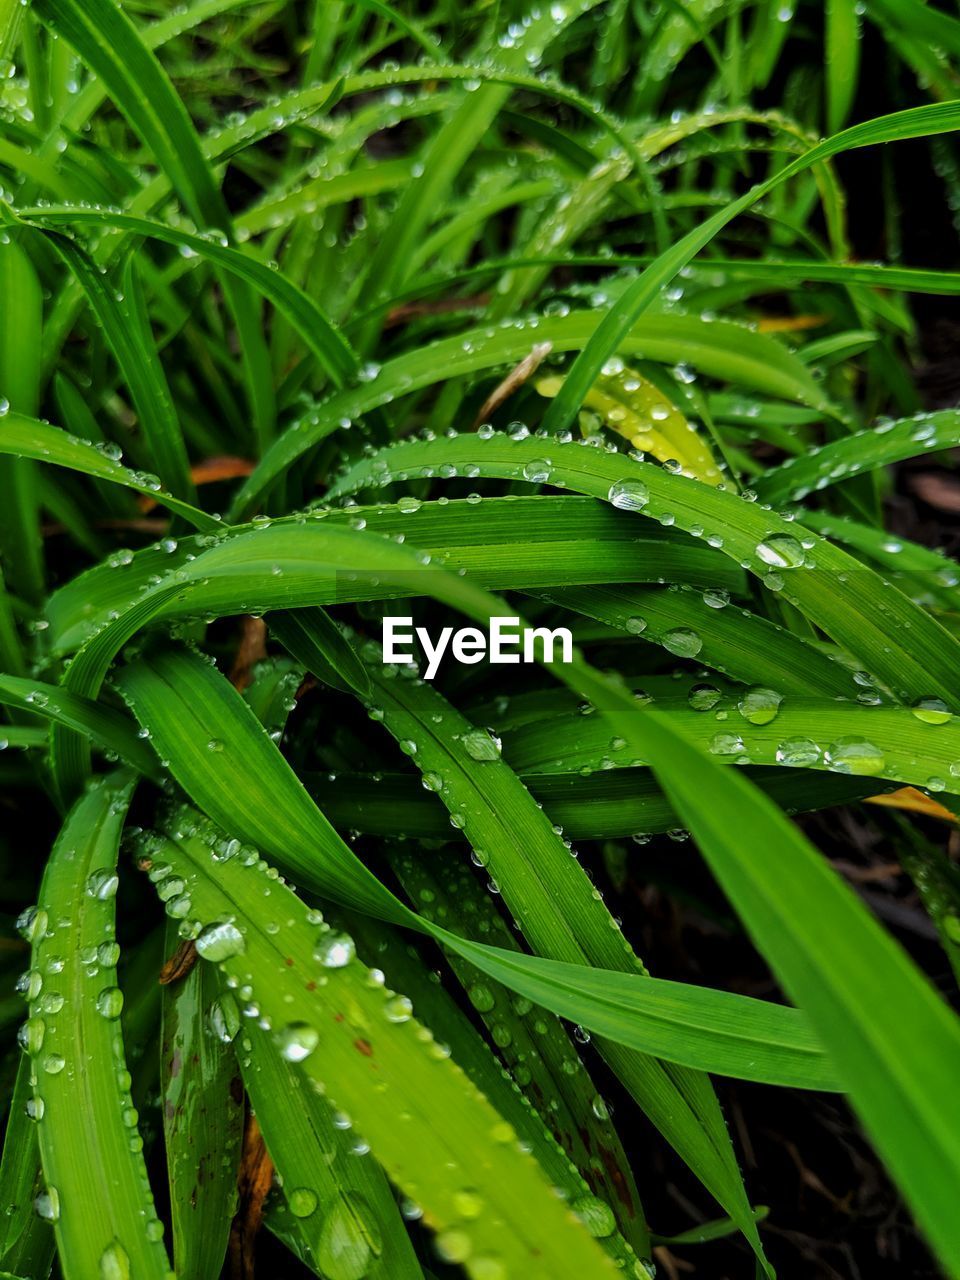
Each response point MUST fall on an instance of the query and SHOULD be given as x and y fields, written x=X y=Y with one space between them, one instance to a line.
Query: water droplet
x=467 y=1203
x=350 y=1242
x=855 y=755
x=103 y=884
x=334 y=950
x=481 y=745
x=780 y=551
x=798 y=753
x=703 y=697
x=115 y=1262
x=726 y=744
x=110 y=1002
x=30 y=1035
x=215 y=745
x=759 y=705
x=225 y=1018
x=481 y=997
x=453 y=1246
x=47 y=1205
x=302 y=1202
x=629 y=495
x=931 y=711
x=683 y=642
x=595 y=1215
x=297 y=1041
x=398 y=1009
x=220 y=941
x=716 y=599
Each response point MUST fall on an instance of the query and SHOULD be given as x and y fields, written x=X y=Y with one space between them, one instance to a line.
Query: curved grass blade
x=202 y=1121
x=321 y=336
x=337 y=1195
x=758 y=726
x=535 y=1047
x=854 y=454
x=607 y=805
x=97 y=1192
x=26 y=1241
x=861 y=992
x=233 y=770
x=123 y=318
x=855 y=607
x=404 y=969
x=21 y=308
x=620 y=319
x=344 y=1032
x=504 y=543
x=25 y=437
x=741 y=644
x=108 y=41
x=109 y=729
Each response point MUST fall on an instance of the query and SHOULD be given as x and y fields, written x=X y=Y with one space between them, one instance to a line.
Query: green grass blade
x=610 y=804
x=26 y=1244
x=109 y=42
x=618 y=322
x=717 y=348
x=20 y=327
x=202 y=726
x=324 y=340
x=24 y=437
x=107 y=728
x=337 y=1195
x=202 y=1122
x=861 y=992
x=97 y=1191
x=863 y=451
x=367 y=1032
x=855 y=607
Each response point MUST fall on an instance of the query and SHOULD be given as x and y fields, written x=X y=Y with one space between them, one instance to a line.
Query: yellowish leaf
x=913 y=801
x=631 y=405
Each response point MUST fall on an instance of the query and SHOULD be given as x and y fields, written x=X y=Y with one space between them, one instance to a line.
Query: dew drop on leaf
x=350 y=1241
x=629 y=495
x=297 y=1040
x=47 y=1205
x=931 y=711
x=780 y=551
x=334 y=950
x=481 y=745
x=115 y=1262
x=856 y=756
x=220 y=941
x=759 y=705
x=595 y=1215
x=302 y=1202
x=110 y=1002
x=683 y=642
x=798 y=753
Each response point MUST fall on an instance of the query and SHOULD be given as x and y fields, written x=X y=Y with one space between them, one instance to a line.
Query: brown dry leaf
x=251 y=650
x=208 y=472
x=179 y=964
x=940 y=491
x=910 y=800
x=253 y=1183
x=515 y=379
x=789 y=324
